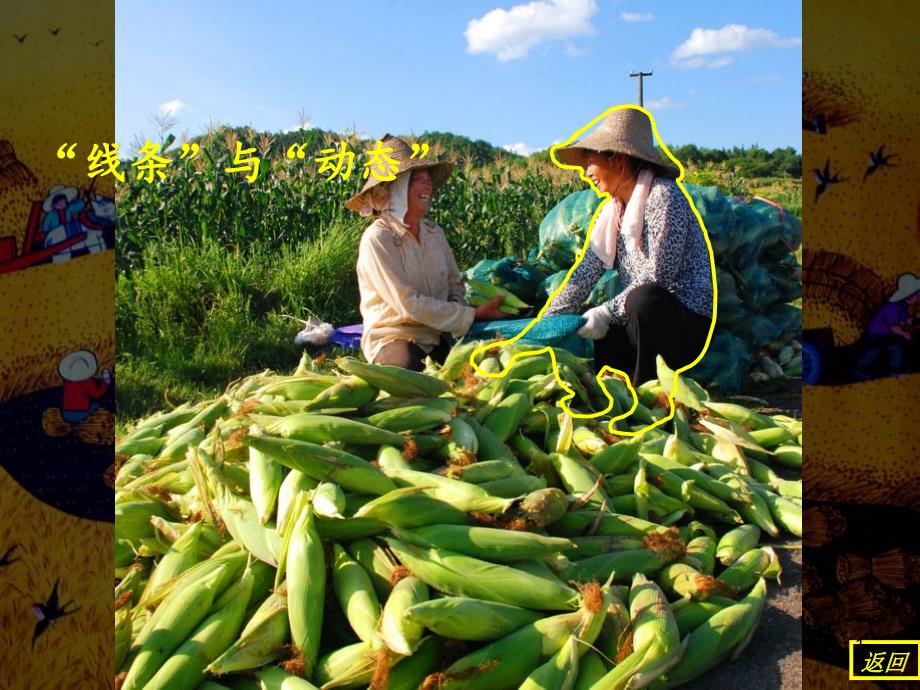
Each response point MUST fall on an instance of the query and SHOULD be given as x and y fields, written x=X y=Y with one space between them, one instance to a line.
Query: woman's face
x=419 y=196
x=604 y=171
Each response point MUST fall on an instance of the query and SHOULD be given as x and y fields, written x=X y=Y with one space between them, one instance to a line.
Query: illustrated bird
x=825 y=179
x=879 y=159
x=54 y=32
x=817 y=124
x=20 y=38
x=48 y=612
x=5 y=559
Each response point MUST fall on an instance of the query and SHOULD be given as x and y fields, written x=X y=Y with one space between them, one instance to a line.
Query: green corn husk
x=182 y=555
x=785 y=512
x=490 y=446
x=591 y=522
x=539 y=462
x=560 y=672
x=464 y=618
x=375 y=561
x=591 y=668
x=320 y=428
x=578 y=479
x=351 y=666
x=265 y=477
x=726 y=633
x=411 y=507
x=328 y=500
x=511 y=487
x=461 y=575
x=758 y=513
x=350 y=392
x=656 y=641
x=487 y=471
x=751 y=566
x=261 y=641
x=273 y=678
x=394 y=380
x=400 y=632
x=682 y=581
x=356 y=595
x=410 y=673
x=463 y=446
x=585 y=547
x=789 y=456
x=306 y=585
x=741 y=415
x=185 y=669
x=414 y=418
x=692 y=613
x=499 y=545
x=324 y=463
x=508 y=414
x=736 y=542
x=701 y=554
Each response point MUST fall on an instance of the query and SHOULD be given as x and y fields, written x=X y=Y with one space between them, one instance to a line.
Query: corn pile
x=389 y=529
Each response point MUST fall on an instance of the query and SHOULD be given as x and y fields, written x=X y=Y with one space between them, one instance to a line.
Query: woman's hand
x=488 y=311
x=597 y=323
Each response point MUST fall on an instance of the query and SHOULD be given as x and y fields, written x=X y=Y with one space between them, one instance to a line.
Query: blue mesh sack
x=562 y=230
x=756 y=230
x=725 y=365
x=558 y=330
x=482 y=270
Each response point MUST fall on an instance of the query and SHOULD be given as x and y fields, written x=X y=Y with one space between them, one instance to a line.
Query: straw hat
x=908 y=284
x=625 y=130
x=78 y=366
x=69 y=192
x=402 y=154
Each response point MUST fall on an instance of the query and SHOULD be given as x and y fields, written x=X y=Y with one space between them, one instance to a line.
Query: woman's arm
x=381 y=265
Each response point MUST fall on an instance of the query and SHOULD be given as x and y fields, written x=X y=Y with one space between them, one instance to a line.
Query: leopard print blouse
x=672 y=253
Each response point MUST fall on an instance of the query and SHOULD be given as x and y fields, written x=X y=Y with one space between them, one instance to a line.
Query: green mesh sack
x=606 y=289
x=717 y=216
x=558 y=330
x=725 y=365
x=519 y=277
x=562 y=231
x=756 y=329
x=756 y=289
x=787 y=319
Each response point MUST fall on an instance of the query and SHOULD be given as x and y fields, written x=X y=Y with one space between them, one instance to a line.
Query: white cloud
x=520 y=148
x=697 y=50
x=171 y=108
x=664 y=103
x=510 y=34
x=637 y=16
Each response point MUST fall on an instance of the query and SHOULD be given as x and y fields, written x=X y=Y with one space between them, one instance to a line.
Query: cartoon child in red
x=81 y=389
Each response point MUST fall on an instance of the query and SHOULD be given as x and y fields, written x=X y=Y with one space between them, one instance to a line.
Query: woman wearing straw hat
x=648 y=232
x=411 y=288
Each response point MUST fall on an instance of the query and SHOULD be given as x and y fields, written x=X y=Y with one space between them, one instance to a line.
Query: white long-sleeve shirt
x=410 y=289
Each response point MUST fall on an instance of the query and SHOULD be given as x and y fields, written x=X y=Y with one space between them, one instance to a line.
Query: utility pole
x=640 y=75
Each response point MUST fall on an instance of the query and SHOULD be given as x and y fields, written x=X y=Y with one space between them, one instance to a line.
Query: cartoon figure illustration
x=80 y=404
x=890 y=331
x=65 y=218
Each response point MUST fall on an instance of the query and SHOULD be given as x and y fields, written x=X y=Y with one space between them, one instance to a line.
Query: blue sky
x=517 y=73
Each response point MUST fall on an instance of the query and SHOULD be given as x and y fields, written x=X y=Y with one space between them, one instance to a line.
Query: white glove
x=597 y=323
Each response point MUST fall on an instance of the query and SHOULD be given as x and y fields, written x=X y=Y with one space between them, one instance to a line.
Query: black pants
x=408 y=355
x=657 y=323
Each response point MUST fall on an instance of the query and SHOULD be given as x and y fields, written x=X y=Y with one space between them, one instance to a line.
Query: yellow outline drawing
x=607 y=369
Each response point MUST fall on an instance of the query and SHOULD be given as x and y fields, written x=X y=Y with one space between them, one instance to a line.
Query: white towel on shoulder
x=612 y=218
